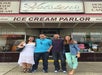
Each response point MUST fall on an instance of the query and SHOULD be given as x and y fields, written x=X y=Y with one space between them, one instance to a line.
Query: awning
x=51 y=21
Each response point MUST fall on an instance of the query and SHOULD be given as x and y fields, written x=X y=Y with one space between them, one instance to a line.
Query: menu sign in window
x=93 y=7
x=9 y=6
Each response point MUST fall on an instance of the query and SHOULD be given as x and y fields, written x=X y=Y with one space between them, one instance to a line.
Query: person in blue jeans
x=42 y=49
x=72 y=53
x=57 y=53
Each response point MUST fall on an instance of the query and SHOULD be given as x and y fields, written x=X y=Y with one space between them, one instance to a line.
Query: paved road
x=85 y=68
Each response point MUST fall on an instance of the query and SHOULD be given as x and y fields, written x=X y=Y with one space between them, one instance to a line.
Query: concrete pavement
x=7 y=67
x=85 y=68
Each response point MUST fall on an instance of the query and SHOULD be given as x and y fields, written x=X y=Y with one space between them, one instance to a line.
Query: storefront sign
x=51 y=7
x=52 y=19
x=9 y=6
x=93 y=7
x=49 y=18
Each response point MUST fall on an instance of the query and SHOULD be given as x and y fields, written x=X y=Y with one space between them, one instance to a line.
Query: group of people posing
x=66 y=50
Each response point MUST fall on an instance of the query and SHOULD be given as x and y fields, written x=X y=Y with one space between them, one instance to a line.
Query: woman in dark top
x=71 y=53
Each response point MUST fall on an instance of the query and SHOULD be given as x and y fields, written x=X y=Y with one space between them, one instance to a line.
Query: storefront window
x=9 y=42
x=80 y=37
x=89 y=42
x=97 y=40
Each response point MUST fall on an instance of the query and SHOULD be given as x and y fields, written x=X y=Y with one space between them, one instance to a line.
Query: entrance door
x=50 y=32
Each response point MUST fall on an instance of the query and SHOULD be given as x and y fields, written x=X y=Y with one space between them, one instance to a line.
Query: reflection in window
x=9 y=42
x=89 y=42
x=79 y=36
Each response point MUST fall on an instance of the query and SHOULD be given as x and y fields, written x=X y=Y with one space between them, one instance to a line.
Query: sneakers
x=64 y=71
x=56 y=71
x=33 y=71
x=45 y=71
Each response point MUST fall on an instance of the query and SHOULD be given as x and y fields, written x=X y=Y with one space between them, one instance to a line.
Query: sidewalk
x=7 y=67
x=85 y=68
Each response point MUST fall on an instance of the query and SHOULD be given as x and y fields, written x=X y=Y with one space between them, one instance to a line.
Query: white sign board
x=51 y=18
x=51 y=7
x=9 y=6
x=93 y=7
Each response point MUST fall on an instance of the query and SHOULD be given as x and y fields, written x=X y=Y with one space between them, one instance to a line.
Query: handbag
x=20 y=49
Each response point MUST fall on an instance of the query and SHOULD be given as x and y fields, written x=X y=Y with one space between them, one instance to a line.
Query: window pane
x=8 y=42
